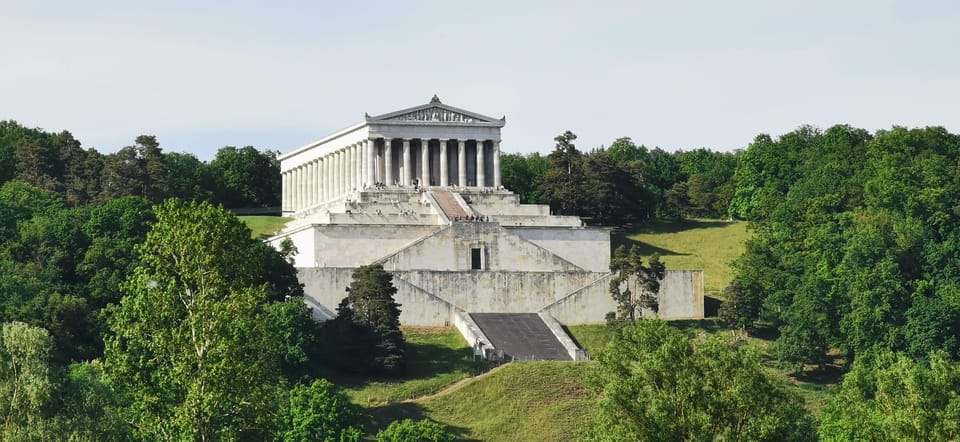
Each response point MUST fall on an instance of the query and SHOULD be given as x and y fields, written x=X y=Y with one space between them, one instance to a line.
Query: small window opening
x=476 y=258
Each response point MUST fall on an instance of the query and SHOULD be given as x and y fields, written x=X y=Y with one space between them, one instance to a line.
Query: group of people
x=471 y=218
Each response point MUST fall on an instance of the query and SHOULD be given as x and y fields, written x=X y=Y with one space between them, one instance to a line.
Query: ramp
x=522 y=336
x=448 y=204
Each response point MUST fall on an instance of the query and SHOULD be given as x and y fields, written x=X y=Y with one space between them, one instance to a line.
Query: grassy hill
x=534 y=401
x=709 y=245
x=530 y=401
x=264 y=226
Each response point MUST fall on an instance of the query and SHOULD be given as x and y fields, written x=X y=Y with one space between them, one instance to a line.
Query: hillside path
x=456 y=385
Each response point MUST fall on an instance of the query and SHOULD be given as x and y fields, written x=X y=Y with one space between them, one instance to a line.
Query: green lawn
x=437 y=358
x=521 y=401
x=264 y=226
x=708 y=245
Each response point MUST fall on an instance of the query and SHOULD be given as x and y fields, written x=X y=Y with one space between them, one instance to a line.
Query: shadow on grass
x=424 y=361
x=621 y=235
x=710 y=326
x=382 y=416
x=828 y=375
x=675 y=226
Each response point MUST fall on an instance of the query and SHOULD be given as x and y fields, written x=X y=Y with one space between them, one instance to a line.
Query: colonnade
x=391 y=162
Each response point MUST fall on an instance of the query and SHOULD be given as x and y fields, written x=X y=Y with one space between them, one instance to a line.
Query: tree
x=737 y=310
x=154 y=169
x=187 y=178
x=246 y=177
x=366 y=332
x=319 y=412
x=893 y=398
x=26 y=381
x=562 y=186
x=635 y=286
x=423 y=430
x=657 y=385
x=193 y=309
x=613 y=192
x=122 y=175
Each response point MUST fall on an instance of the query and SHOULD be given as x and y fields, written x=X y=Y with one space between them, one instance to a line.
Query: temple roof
x=435 y=112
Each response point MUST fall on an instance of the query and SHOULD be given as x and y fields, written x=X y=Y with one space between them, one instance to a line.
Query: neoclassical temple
x=418 y=191
x=426 y=146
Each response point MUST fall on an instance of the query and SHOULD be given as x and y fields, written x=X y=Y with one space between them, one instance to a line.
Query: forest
x=126 y=291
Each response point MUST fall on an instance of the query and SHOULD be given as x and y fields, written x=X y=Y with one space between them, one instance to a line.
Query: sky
x=279 y=74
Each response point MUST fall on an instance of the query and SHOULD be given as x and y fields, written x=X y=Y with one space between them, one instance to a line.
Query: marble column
x=405 y=173
x=336 y=175
x=444 y=173
x=283 y=192
x=344 y=171
x=424 y=162
x=371 y=158
x=351 y=168
x=388 y=161
x=462 y=163
x=310 y=177
x=296 y=189
x=329 y=179
x=286 y=191
x=322 y=185
x=318 y=181
x=481 y=162
x=358 y=170
x=496 y=164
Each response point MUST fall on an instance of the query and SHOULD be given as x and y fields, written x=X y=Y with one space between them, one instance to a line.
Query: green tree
x=658 y=386
x=26 y=382
x=187 y=178
x=193 y=309
x=634 y=286
x=562 y=185
x=409 y=430
x=122 y=175
x=366 y=332
x=319 y=412
x=246 y=177
x=894 y=398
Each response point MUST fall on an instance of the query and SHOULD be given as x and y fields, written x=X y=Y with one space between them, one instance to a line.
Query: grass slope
x=437 y=358
x=708 y=245
x=529 y=401
x=264 y=226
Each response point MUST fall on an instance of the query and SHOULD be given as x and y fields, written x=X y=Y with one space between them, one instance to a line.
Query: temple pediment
x=435 y=112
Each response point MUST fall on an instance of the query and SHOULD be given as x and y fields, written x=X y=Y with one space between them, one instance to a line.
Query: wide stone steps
x=521 y=336
x=448 y=204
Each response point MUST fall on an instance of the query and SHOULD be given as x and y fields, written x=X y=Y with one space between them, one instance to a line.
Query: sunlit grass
x=264 y=226
x=708 y=245
x=522 y=401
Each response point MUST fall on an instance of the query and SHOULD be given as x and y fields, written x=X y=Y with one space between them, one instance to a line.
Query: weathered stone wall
x=681 y=295
x=353 y=245
x=431 y=297
x=588 y=248
x=450 y=250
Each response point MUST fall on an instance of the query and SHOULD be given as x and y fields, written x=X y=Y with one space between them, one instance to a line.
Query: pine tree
x=366 y=333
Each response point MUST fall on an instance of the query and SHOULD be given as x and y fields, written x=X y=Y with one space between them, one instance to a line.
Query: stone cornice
x=475 y=118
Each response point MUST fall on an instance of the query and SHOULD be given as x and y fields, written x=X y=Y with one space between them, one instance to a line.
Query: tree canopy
x=657 y=385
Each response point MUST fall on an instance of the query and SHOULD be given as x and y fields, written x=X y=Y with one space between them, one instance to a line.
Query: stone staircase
x=521 y=336
x=448 y=204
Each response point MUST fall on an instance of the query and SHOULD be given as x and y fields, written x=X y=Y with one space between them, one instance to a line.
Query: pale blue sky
x=279 y=74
